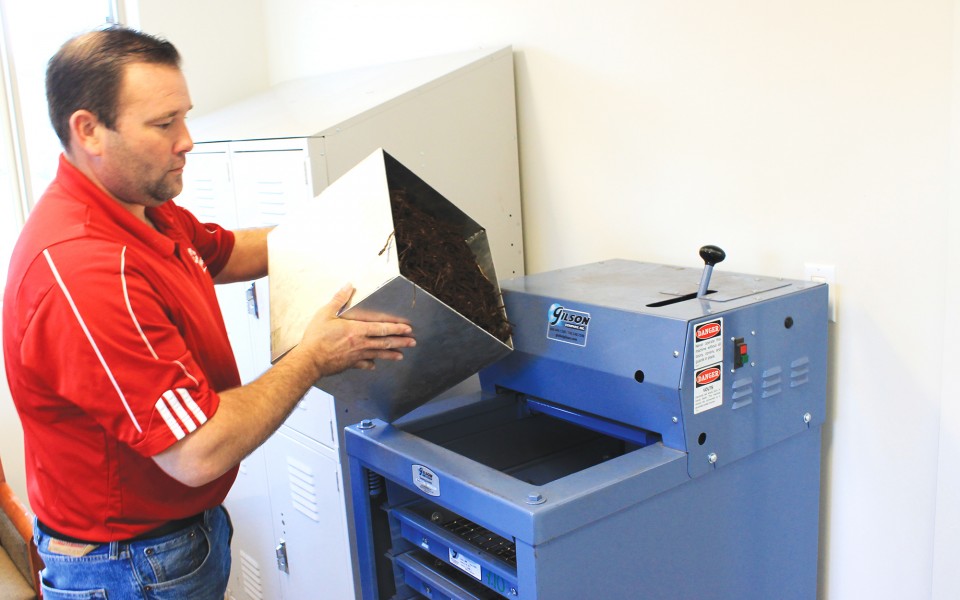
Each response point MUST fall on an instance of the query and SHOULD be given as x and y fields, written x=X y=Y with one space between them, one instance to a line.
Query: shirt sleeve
x=104 y=345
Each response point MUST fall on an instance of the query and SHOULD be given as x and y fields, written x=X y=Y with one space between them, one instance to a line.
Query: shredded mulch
x=434 y=255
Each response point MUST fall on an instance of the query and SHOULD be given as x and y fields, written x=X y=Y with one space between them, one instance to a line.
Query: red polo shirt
x=114 y=348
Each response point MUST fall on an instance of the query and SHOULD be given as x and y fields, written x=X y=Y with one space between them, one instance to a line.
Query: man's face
x=143 y=156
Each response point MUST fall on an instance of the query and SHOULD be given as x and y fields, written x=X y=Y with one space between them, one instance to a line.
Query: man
x=116 y=353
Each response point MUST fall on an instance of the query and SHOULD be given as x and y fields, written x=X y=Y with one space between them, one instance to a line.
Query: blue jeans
x=191 y=563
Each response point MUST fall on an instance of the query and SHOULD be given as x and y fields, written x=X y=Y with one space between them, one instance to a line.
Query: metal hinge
x=282 y=563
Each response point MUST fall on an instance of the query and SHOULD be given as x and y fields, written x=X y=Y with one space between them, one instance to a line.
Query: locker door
x=207 y=189
x=309 y=517
x=254 y=574
x=268 y=184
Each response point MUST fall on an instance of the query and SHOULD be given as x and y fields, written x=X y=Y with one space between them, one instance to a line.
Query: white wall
x=221 y=43
x=786 y=133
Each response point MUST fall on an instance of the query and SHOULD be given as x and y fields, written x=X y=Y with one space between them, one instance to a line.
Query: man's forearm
x=248 y=260
x=246 y=417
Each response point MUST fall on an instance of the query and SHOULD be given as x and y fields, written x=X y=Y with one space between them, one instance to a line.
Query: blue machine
x=648 y=437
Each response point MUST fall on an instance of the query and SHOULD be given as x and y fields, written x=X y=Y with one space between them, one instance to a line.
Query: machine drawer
x=437 y=580
x=468 y=549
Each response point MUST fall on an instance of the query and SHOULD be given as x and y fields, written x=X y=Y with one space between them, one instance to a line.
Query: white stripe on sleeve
x=174 y=403
x=169 y=420
x=193 y=406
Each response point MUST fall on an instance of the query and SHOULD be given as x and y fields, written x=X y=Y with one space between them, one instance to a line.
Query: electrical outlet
x=825 y=274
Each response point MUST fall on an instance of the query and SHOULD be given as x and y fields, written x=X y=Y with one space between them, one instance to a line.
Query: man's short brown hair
x=87 y=71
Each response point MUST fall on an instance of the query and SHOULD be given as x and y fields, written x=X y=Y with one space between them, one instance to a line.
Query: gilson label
x=426 y=480
x=567 y=325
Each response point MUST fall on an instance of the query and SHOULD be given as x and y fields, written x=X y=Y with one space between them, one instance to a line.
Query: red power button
x=740 y=356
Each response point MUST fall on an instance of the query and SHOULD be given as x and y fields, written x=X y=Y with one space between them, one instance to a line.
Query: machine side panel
x=732 y=410
x=748 y=531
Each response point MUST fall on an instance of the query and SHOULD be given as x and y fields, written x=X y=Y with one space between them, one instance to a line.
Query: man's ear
x=86 y=132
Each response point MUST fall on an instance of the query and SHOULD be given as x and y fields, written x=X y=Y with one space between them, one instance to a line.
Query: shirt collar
x=89 y=193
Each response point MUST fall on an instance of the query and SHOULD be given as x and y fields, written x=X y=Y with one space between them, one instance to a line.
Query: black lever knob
x=711 y=255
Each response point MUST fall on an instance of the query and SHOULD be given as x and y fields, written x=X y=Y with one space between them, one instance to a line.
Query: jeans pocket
x=177 y=557
x=53 y=594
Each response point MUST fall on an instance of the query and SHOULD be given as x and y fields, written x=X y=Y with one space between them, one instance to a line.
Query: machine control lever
x=711 y=255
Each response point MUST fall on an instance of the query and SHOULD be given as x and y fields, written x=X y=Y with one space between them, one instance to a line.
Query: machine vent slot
x=770 y=382
x=303 y=489
x=742 y=392
x=799 y=372
x=250 y=579
x=484 y=539
x=771 y=392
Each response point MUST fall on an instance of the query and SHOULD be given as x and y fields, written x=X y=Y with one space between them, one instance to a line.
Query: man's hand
x=248 y=415
x=337 y=344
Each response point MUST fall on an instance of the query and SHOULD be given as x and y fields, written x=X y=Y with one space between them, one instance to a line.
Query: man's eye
x=164 y=125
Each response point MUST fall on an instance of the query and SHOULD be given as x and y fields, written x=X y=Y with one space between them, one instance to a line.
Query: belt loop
x=208 y=519
x=114 y=550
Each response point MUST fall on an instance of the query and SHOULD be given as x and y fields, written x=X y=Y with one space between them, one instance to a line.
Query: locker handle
x=252 y=308
x=282 y=564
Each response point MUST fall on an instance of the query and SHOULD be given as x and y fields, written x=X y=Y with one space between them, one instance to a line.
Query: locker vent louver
x=250 y=580
x=204 y=201
x=303 y=489
x=271 y=202
x=770 y=384
x=800 y=372
x=742 y=392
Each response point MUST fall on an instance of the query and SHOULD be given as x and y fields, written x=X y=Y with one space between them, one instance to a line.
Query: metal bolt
x=513 y=591
x=535 y=498
x=676 y=353
x=675 y=419
x=367 y=424
x=807 y=417
x=712 y=458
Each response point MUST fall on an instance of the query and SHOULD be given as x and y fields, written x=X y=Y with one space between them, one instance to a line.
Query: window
x=31 y=33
